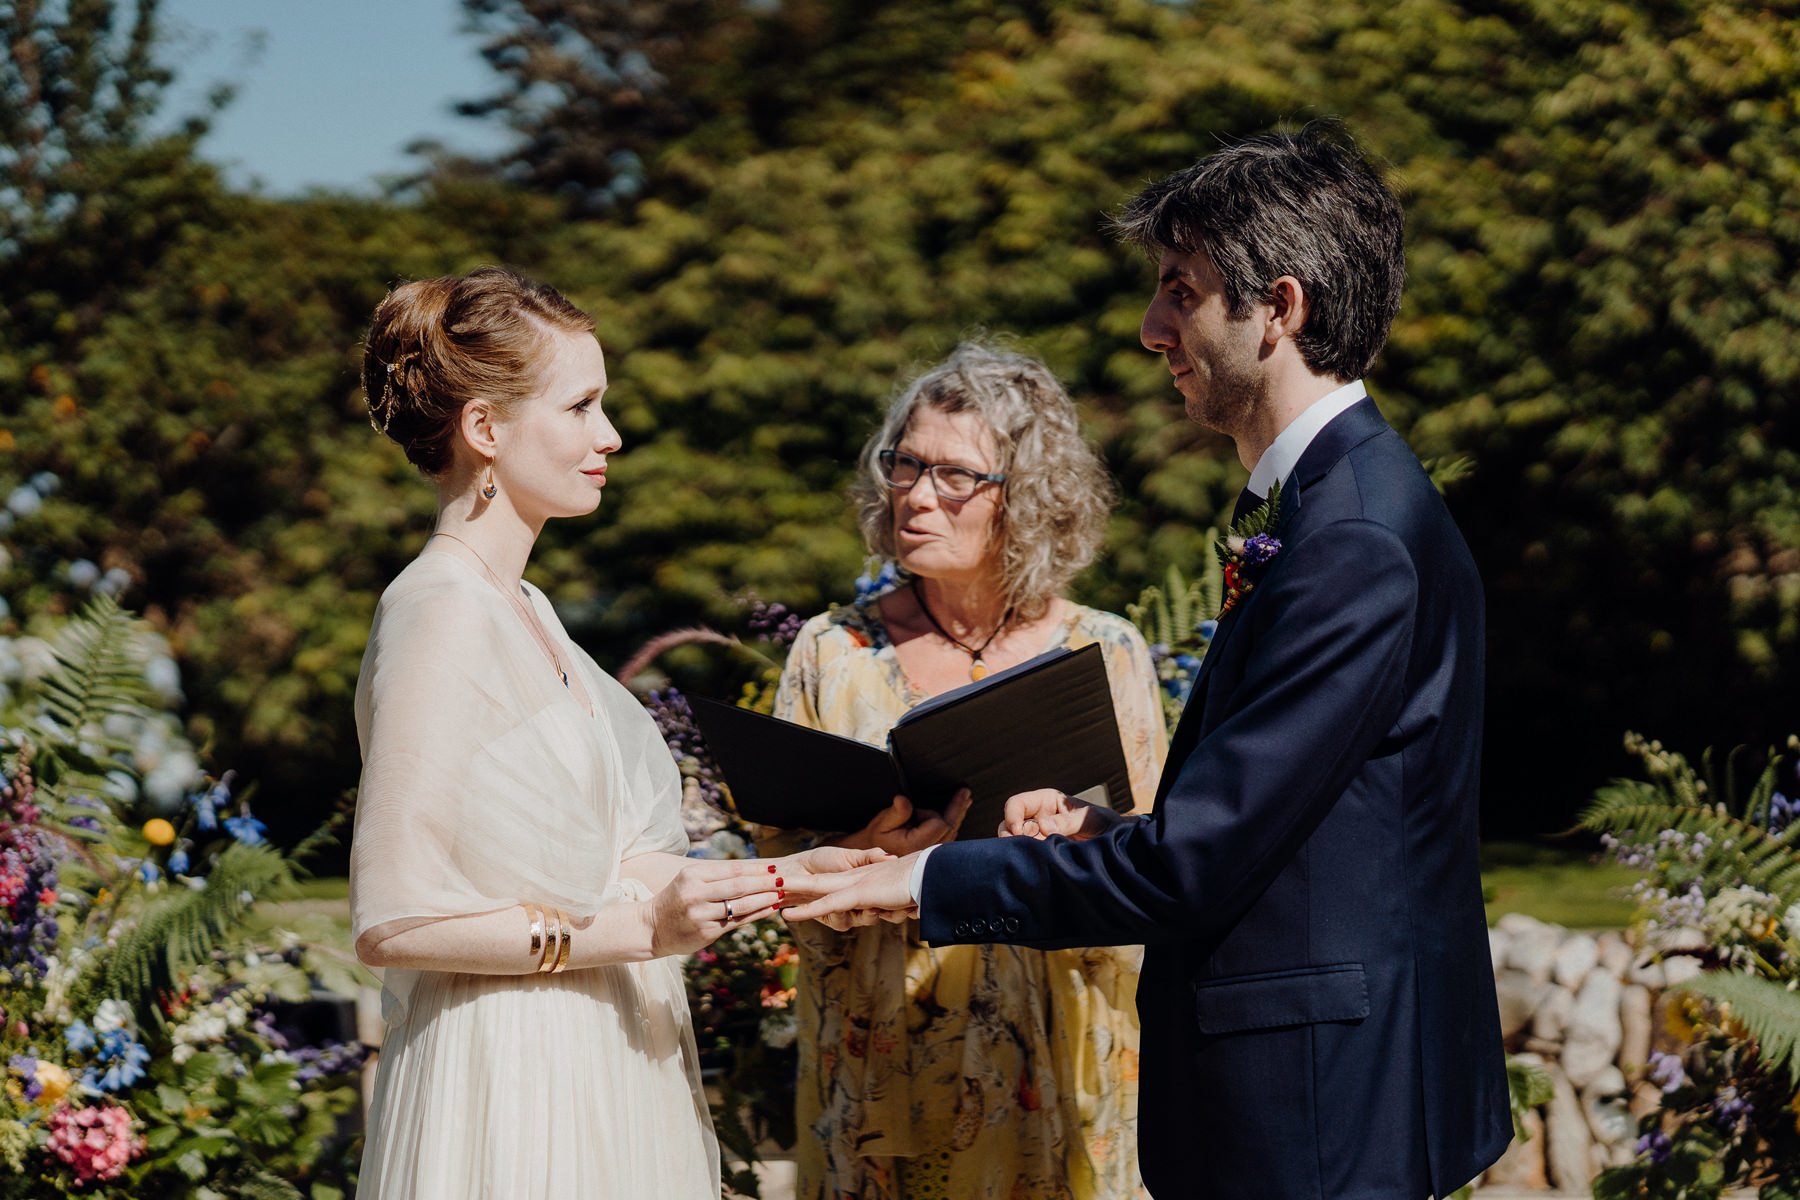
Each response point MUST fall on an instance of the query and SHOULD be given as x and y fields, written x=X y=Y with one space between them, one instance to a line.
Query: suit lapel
x=1349 y=429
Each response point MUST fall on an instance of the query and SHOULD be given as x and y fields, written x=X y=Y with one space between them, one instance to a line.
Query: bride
x=517 y=867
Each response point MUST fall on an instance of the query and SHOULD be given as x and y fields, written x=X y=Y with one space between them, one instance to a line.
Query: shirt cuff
x=916 y=884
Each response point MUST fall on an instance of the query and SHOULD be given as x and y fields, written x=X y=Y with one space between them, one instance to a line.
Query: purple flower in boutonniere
x=1246 y=552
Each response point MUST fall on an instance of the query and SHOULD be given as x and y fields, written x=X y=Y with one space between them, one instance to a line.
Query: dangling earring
x=488 y=490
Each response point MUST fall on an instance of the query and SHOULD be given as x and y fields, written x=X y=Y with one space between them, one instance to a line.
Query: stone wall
x=1588 y=1008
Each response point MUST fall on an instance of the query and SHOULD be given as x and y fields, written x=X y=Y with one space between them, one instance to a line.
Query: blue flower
x=1187 y=662
x=79 y=1037
x=149 y=872
x=125 y=1058
x=881 y=581
x=178 y=861
x=246 y=829
x=205 y=815
x=1206 y=629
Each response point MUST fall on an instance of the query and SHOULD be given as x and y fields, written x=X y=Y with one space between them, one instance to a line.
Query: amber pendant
x=977 y=670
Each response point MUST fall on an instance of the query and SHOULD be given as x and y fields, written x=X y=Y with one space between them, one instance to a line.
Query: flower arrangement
x=1172 y=619
x=141 y=1027
x=1720 y=892
x=1248 y=549
x=740 y=989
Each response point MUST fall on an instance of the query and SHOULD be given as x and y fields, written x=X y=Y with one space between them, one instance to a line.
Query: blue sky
x=336 y=90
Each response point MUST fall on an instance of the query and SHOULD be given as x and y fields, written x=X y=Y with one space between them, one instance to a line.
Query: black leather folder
x=1047 y=722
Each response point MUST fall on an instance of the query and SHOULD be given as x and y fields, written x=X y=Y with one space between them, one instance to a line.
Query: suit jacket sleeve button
x=961 y=930
x=1012 y=924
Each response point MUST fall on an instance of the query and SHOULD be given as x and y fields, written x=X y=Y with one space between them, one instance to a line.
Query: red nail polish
x=771 y=868
x=779 y=882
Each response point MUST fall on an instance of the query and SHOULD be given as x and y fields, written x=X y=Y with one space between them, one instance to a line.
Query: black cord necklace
x=977 y=668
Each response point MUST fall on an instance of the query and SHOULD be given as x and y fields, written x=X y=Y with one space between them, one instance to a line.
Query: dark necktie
x=1247 y=501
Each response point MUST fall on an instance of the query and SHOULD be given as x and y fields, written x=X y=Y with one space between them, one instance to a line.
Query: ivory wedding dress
x=486 y=783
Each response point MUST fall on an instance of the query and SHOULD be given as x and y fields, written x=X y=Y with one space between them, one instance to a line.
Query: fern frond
x=1210 y=587
x=1741 y=854
x=98 y=671
x=180 y=929
x=1765 y=1008
x=1181 y=606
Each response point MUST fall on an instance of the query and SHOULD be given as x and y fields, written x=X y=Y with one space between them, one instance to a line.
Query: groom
x=1317 y=1001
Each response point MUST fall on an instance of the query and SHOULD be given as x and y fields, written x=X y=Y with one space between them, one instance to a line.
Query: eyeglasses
x=951 y=482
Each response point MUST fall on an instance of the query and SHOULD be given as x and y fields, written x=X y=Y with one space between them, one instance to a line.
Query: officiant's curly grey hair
x=1057 y=495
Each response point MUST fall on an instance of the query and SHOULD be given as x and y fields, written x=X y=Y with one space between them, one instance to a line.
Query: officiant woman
x=975 y=1072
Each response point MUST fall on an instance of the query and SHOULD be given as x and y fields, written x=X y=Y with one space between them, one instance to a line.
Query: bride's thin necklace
x=531 y=621
x=977 y=669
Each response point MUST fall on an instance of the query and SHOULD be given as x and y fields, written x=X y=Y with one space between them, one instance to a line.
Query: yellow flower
x=55 y=1082
x=1685 y=1019
x=158 y=832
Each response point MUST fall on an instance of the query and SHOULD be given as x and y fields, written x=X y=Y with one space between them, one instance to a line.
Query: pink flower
x=95 y=1142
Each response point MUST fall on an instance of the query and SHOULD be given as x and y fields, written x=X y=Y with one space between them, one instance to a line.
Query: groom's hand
x=1047 y=812
x=881 y=891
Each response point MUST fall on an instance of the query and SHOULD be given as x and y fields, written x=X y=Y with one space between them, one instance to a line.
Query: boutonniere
x=1247 y=550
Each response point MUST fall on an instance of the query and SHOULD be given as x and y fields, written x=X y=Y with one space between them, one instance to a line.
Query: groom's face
x=1216 y=360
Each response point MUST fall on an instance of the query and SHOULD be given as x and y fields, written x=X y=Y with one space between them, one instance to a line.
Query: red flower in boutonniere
x=1247 y=550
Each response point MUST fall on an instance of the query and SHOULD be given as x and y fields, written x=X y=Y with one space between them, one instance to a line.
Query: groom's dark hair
x=1305 y=204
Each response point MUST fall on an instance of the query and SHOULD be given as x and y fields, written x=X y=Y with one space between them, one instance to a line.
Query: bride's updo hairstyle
x=436 y=344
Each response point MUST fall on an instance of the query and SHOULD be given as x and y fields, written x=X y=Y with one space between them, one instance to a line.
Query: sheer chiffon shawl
x=485 y=782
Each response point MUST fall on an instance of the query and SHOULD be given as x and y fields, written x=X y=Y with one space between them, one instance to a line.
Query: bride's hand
x=707 y=898
x=813 y=873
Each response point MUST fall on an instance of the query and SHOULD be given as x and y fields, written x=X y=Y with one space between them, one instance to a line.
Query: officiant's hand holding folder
x=1045 y=723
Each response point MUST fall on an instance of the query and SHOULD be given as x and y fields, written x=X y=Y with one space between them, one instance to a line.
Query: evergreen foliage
x=1721 y=860
x=820 y=195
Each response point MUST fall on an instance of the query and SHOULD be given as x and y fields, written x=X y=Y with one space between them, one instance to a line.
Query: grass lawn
x=1562 y=885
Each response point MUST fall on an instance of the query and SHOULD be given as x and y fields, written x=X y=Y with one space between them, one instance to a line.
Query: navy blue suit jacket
x=1317 y=1001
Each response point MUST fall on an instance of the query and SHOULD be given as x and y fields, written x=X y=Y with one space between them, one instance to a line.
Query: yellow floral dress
x=987 y=1072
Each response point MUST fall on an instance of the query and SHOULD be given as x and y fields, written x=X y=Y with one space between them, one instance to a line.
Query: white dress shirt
x=1283 y=455
x=1277 y=463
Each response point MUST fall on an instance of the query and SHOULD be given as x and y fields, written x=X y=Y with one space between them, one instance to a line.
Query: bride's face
x=552 y=450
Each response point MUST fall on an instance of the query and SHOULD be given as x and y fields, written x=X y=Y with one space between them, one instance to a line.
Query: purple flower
x=26 y=1066
x=1729 y=1109
x=1782 y=812
x=323 y=1062
x=1666 y=1071
x=1656 y=1145
x=1260 y=549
